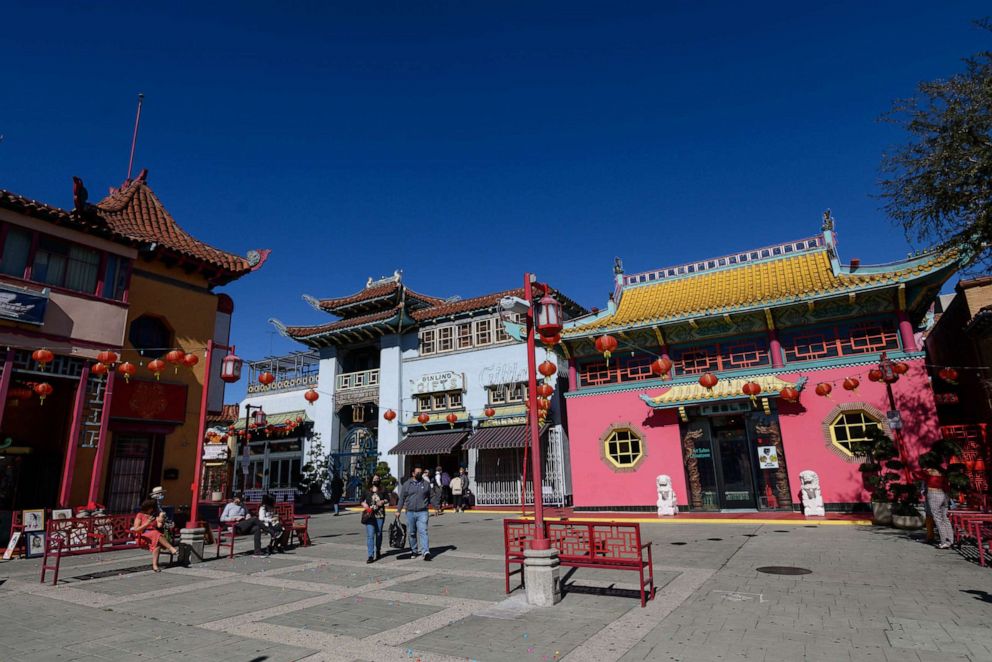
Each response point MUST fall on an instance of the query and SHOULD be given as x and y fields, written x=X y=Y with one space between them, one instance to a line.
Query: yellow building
x=119 y=276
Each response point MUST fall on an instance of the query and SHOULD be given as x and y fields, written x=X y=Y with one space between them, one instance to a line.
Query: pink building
x=762 y=322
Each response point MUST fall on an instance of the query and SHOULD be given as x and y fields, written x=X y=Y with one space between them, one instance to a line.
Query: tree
x=387 y=481
x=938 y=186
x=316 y=472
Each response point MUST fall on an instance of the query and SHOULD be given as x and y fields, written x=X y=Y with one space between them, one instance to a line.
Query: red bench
x=297 y=526
x=961 y=522
x=603 y=545
x=88 y=535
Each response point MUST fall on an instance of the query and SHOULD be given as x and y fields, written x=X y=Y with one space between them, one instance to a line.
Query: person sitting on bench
x=244 y=523
x=150 y=528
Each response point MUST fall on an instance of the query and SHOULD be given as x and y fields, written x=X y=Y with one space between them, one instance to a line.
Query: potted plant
x=879 y=469
x=906 y=498
x=315 y=473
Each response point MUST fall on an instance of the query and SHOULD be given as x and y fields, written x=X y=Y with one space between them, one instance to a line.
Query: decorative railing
x=291 y=384
x=362 y=379
x=842 y=340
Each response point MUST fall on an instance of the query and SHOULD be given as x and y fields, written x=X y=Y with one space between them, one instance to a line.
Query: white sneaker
x=944 y=545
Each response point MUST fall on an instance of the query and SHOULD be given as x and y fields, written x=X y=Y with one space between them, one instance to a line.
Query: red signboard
x=946 y=398
x=149 y=401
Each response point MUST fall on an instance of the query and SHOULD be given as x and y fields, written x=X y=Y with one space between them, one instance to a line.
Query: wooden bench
x=297 y=525
x=603 y=545
x=88 y=535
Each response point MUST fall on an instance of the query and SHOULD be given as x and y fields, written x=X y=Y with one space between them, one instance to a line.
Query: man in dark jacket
x=337 y=489
x=415 y=500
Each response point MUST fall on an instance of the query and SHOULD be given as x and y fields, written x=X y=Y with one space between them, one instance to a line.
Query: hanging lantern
x=265 y=378
x=900 y=368
x=230 y=368
x=547 y=316
x=543 y=404
x=311 y=396
x=823 y=389
x=969 y=465
x=42 y=357
x=452 y=419
x=175 y=358
x=490 y=412
x=954 y=459
x=99 y=369
x=851 y=384
x=127 y=370
x=606 y=344
x=389 y=415
x=661 y=367
x=43 y=390
x=259 y=418
x=156 y=366
x=17 y=393
x=949 y=375
x=190 y=360
x=423 y=419
x=789 y=394
x=980 y=465
x=551 y=341
x=545 y=390
x=875 y=375
x=751 y=390
x=708 y=380
x=547 y=368
x=107 y=357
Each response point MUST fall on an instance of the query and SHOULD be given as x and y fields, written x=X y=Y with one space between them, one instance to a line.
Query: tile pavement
x=873 y=594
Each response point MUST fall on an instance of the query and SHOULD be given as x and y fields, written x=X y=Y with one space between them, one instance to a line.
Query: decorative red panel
x=620 y=370
x=971 y=439
x=866 y=337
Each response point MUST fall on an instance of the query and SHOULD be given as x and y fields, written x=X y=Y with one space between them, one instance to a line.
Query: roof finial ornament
x=828 y=221
x=617 y=266
x=79 y=195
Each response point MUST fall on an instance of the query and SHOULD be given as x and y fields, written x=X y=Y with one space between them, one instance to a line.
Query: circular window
x=623 y=448
x=151 y=335
x=851 y=428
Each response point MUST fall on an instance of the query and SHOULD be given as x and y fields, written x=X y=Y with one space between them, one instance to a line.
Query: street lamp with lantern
x=888 y=372
x=259 y=419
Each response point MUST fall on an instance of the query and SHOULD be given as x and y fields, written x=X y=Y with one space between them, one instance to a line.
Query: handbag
x=367 y=516
x=397 y=535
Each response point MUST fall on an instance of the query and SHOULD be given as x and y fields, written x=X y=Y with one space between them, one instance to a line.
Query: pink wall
x=597 y=483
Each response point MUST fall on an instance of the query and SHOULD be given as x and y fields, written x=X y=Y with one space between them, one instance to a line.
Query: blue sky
x=466 y=142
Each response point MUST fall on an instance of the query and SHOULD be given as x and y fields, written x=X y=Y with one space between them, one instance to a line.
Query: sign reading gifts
x=502 y=373
x=437 y=382
x=23 y=305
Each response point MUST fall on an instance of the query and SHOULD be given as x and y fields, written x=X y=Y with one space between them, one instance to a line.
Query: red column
x=906 y=332
x=8 y=370
x=775 y=348
x=573 y=380
x=103 y=441
x=69 y=467
x=201 y=430
x=540 y=541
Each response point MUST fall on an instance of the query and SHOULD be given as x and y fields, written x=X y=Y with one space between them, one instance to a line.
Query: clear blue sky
x=466 y=142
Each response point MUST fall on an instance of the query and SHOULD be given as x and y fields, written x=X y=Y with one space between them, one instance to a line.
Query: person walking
x=459 y=486
x=374 y=516
x=938 y=500
x=337 y=489
x=437 y=492
x=415 y=500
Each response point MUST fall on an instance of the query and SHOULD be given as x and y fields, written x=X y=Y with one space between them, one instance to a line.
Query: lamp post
x=259 y=419
x=890 y=371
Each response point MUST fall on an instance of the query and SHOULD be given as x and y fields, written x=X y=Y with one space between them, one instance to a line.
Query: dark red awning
x=499 y=436
x=429 y=443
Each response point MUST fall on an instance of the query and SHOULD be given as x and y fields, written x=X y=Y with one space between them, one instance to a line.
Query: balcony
x=353 y=380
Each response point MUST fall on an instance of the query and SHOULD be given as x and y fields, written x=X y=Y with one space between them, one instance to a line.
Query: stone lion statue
x=811 y=495
x=667 y=505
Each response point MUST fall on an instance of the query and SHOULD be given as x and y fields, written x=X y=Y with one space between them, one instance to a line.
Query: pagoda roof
x=348 y=330
x=750 y=281
x=693 y=393
x=377 y=295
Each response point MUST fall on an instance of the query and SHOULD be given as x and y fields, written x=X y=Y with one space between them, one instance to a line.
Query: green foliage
x=876 y=450
x=939 y=184
x=316 y=472
x=387 y=481
x=905 y=497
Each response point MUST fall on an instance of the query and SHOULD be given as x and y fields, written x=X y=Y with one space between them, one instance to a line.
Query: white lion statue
x=811 y=494
x=667 y=505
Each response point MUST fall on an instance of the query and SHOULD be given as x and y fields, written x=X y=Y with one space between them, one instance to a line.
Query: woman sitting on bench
x=150 y=528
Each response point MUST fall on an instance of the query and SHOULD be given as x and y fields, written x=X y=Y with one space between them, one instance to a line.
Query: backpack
x=397 y=535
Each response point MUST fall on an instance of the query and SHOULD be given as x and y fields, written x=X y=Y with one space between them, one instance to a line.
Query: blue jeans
x=373 y=536
x=416 y=526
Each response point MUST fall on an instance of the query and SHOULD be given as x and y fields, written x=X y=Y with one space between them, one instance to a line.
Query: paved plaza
x=872 y=594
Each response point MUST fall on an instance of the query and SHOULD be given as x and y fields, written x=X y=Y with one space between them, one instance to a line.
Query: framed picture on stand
x=62 y=513
x=11 y=546
x=34 y=520
x=35 y=544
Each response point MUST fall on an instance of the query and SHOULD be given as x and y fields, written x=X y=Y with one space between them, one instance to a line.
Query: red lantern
x=949 y=375
x=751 y=390
x=545 y=390
x=452 y=419
x=543 y=403
x=266 y=378
x=789 y=394
x=230 y=368
x=551 y=341
x=42 y=357
x=43 y=390
x=99 y=369
x=900 y=368
x=423 y=419
x=190 y=360
x=662 y=366
x=851 y=384
x=823 y=389
x=547 y=316
x=875 y=375
x=175 y=357
x=389 y=415
x=107 y=357
x=156 y=366
x=969 y=465
x=547 y=368
x=311 y=396
x=606 y=344
x=979 y=465
x=18 y=393
x=127 y=370
x=490 y=412
x=954 y=459
x=708 y=380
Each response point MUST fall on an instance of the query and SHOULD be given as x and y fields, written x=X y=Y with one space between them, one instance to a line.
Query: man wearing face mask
x=414 y=500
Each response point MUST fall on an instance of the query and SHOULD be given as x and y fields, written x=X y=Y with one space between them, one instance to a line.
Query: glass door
x=734 y=465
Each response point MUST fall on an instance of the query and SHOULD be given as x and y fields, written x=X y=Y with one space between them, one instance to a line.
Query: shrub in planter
x=905 y=499
x=878 y=470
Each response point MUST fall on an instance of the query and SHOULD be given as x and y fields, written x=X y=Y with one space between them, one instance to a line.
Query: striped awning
x=499 y=436
x=429 y=443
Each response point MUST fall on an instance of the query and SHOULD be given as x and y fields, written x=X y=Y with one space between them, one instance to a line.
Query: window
x=151 y=335
x=623 y=448
x=455 y=399
x=502 y=394
x=465 y=335
x=483 y=332
x=850 y=428
x=439 y=401
x=115 y=278
x=427 y=341
x=497 y=395
x=423 y=403
x=16 y=250
x=444 y=339
x=500 y=331
x=62 y=264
